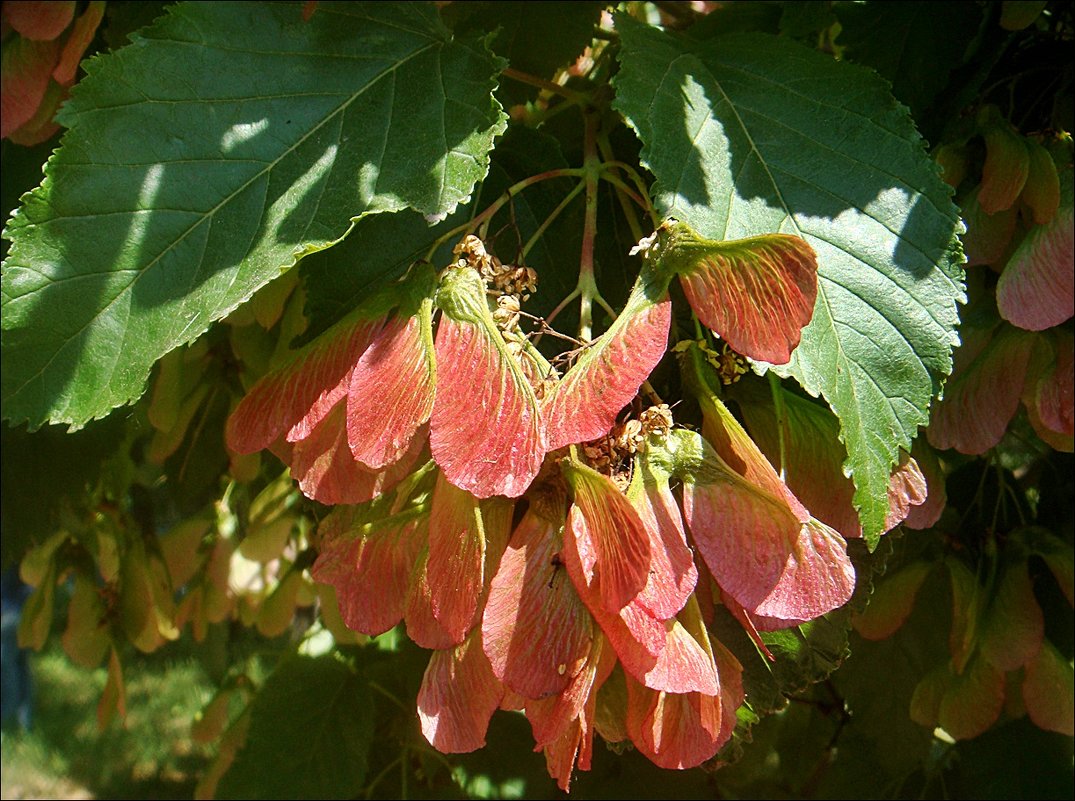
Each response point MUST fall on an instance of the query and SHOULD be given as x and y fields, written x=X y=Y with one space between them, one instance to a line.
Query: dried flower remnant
x=730 y=366
x=507 y=313
x=502 y=279
x=613 y=454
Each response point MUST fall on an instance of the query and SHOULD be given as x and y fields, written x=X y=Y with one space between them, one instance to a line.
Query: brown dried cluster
x=613 y=453
x=510 y=285
x=507 y=312
x=503 y=279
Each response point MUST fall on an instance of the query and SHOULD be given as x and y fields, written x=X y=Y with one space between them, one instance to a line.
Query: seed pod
x=952 y=159
x=114 y=698
x=757 y=294
x=279 y=608
x=210 y=721
x=137 y=606
x=1042 y=190
x=86 y=638
x=1007 y=163
x=36 y=619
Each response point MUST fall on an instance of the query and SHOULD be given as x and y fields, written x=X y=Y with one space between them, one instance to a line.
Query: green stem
x=699 y=332
x=1014 y=498
x=600 y=300
x=548 y=86
x=203 y=417
x=539 y=116
x=407 y=486
x=1001 y=502
x=587 y=286
x=640 y=196
x=437 y=755
x=552 y=216
x=509 y=193
x=625 y=193
x=562 y=305
x=976 y=503
x=781 y=419
x=587 y=289
x=499 y=203
x=639 y=184
x=375 y=686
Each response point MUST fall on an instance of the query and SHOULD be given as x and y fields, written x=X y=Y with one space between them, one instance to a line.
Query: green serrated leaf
x=749 y=135
x=227 y=141
x=809 y=652
x=310 y=733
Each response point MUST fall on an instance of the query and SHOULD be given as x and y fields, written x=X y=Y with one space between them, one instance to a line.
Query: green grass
x=151 y=755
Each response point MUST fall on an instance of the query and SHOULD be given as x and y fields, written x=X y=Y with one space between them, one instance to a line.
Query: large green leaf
x=227 y=141
x=310 y=734
x=749 y=135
